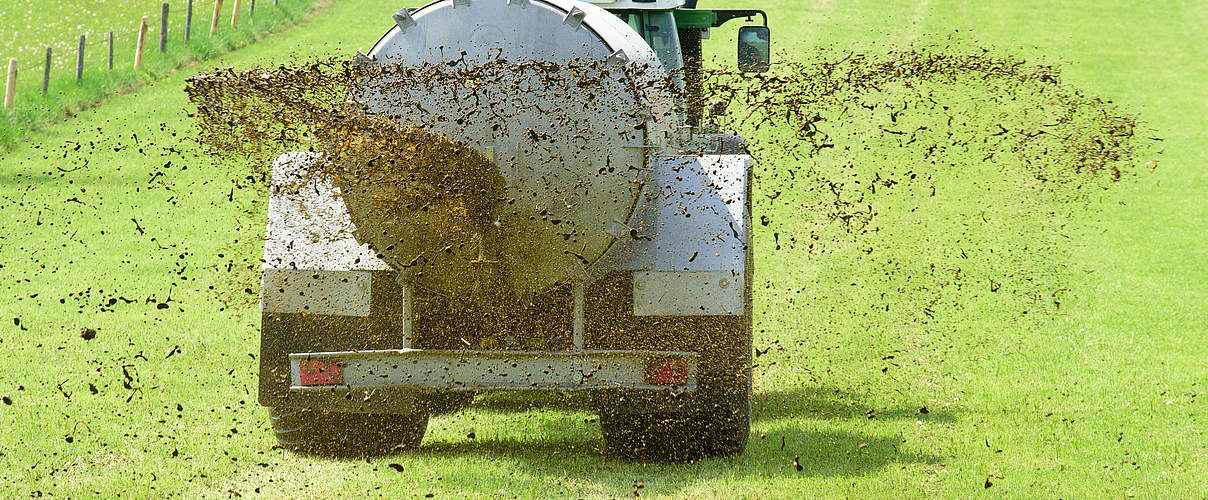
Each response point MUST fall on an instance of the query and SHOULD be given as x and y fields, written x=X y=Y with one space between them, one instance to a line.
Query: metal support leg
x=404 y=280
x=579 y=291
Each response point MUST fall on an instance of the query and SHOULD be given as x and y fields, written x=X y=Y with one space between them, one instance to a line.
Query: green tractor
x=675 y=30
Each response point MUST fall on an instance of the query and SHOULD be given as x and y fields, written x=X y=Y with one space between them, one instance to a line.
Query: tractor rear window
x=658 y=29
x=662 y=36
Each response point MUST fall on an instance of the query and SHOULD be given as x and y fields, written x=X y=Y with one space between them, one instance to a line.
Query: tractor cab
x=675 y=29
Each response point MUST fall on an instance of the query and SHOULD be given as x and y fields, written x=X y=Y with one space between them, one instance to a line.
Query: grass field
x=113 y=221
x=30 y=27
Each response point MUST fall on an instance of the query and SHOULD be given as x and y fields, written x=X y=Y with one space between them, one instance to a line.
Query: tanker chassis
x=652 y=319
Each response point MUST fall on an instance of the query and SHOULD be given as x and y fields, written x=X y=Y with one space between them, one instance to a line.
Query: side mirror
x=754 y=48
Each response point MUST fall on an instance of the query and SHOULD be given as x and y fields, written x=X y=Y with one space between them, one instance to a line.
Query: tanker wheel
x=346 y=434
x=676 y=437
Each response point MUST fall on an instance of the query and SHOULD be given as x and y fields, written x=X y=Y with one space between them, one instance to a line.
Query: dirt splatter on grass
x=852 y=149
x=843 y=140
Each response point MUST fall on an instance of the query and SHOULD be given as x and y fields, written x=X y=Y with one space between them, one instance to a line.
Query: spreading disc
x=561 y=96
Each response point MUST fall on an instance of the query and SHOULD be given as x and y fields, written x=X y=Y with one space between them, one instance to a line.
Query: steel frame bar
x=479 y=370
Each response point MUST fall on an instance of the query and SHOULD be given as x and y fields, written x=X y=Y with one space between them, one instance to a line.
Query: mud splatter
x=854 y=150
x=908 y=118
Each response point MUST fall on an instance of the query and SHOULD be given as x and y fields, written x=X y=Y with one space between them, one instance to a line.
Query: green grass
x=1101 y=397
x=33 y=26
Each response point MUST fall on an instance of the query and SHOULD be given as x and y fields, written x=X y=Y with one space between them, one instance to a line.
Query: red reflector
x=666 y=371
x=320 y=372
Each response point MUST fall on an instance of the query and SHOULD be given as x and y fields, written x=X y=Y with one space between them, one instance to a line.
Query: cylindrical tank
x=562 y=97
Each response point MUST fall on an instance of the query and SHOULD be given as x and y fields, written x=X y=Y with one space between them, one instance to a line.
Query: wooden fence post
x=10 y=89
x=111 y=51
x=80 y=60
x=163 y=28
x=142 y=39
x=214 y=20
x=189 y=21
x=235 y=13
x=46 y=73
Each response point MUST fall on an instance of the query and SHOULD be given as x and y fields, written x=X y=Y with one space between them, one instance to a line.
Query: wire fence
x=98 y=50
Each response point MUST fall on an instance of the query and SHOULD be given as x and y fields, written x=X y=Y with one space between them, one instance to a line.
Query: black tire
x=346 y=434
x=676 y=437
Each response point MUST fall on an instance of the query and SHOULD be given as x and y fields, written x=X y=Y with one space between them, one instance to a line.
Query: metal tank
x=573 y=176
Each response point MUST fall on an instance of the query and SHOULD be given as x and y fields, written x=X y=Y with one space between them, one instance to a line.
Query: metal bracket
x=465 y=3
x=726 y=15
x=574 y=18
x=618 y=57
x=403 y=19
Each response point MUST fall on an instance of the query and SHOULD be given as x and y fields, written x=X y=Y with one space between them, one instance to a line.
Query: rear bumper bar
x=477 y=370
